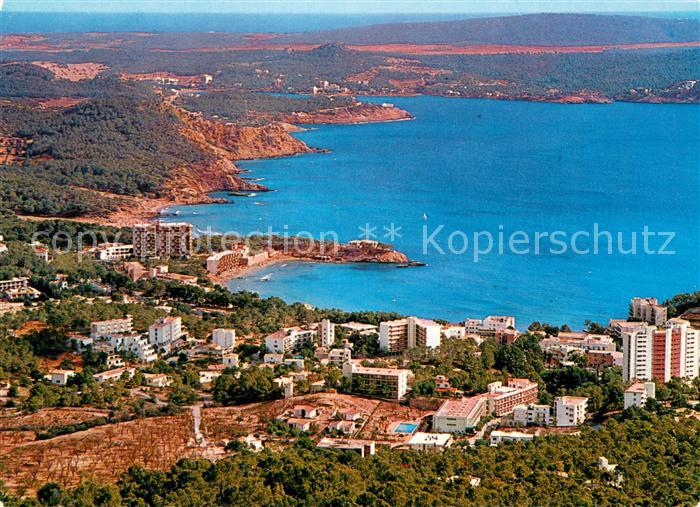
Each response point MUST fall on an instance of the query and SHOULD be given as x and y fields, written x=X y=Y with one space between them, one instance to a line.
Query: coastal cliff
x=236 y=142
x=226 y=143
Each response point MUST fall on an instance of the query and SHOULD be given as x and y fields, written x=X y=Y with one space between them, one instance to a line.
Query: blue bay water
x=14 y=21
x=480 y=165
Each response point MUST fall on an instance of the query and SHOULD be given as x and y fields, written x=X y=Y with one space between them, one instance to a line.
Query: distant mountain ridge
x=528 y=29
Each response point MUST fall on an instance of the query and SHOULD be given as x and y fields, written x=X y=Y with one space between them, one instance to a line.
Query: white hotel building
x=106 y=328
x=408 y=333
x=224 y=338
x=639 y=393
x=287 y=339
x=164 y=332
x=650 y=353
x=570 y=410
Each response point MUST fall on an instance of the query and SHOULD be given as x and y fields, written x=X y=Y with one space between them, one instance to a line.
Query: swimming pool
x=405 y=427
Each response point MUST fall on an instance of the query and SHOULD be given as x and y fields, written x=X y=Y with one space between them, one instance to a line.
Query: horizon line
x=359 y=13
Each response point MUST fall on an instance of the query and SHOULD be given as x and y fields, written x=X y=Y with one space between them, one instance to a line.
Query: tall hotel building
x=651 y=353
x=162 y=239
x=402 y=334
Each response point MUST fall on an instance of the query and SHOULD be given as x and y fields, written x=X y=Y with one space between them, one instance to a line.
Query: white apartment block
x=648 y=310
x=459 y=416
x=106 y=328
x=650 y=353
x=224 y=338
x=326 y=333
x=502 y=399
x=570 y=410
x=399 y=335
x=490 y=325
x=164 y=332
x=16 y=288
x=289 y=339
x=638 y=393
x=532 y=414
x=498 y=436
x=21 y=282
x=135 y=344
x=114 y=252
x=381 y=382
x=339 y=356
x=637 y=352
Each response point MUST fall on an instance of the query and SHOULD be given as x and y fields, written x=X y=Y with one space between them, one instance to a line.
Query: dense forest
x=612 y=73
x=656 y=457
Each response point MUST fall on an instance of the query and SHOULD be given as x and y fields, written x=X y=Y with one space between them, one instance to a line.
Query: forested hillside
x=121 y=145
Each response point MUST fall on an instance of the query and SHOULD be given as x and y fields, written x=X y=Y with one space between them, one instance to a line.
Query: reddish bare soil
x=105 y=452
x=61 y=102
x=73 y=71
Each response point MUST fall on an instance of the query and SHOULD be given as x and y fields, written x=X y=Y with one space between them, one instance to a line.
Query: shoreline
x=246 y=271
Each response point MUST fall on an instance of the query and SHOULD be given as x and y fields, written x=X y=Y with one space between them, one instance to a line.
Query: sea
x=15 y=21
x=463 y=171
x=541 y=180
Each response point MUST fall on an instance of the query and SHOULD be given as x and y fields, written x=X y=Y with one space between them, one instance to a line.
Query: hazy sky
x=347 y=6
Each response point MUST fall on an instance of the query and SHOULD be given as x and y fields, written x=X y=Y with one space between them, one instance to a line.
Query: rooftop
x=368 y=370
x=575 y=400
x=464 y=407
x=637 y=387
x=436 y=439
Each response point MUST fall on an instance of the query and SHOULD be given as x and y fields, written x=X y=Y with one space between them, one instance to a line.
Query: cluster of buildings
x=598 y=349
x=165 y=336
x=117 y=335
x=343 y=422
x=398 y=335
x=500 y=327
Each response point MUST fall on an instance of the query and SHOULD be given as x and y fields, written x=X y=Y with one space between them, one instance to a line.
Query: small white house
x=60 y=377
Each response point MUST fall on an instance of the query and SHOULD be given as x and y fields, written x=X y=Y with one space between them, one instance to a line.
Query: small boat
x=425 y=216
x=258 y=203
x=266 y=278
x=411 y=264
